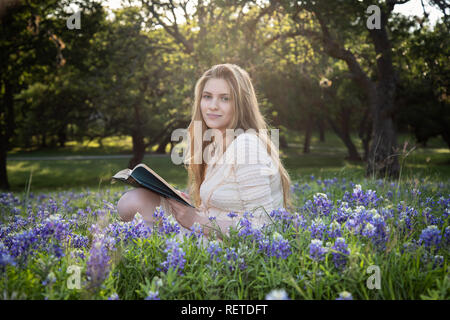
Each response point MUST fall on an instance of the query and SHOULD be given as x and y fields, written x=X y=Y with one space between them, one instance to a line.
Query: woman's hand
x=185 y=215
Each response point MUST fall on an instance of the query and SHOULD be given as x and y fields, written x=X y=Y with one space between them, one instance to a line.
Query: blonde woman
x=229 y=180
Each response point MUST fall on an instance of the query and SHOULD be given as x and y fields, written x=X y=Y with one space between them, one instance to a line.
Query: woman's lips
x=213 y=116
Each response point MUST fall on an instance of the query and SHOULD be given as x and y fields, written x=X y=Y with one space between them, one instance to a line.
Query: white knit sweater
x=243 y=179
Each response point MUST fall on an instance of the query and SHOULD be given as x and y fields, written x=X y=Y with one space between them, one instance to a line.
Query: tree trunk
x=8 y=124
x=307 y=141
x=344 y=134
x=138 y=149
x=43 y=140
x=321 y=126
x=162 y=145
x=382 y=160
x=4 y=184
x=364 y=132
x=138 y=140
x=62 y=137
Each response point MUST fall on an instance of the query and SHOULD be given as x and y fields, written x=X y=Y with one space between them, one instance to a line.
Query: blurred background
x=88 y=88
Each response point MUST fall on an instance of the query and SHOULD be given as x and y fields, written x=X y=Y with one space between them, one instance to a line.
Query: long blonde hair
x=246 y=116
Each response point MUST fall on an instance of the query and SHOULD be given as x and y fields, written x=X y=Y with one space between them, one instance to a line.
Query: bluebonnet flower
x=277 y=294
x=114 y=296
x=390 y=195
x=447 y=236
x=158 y=213
x=278 y=247
x=316 y=250
x=369 y=230
x=322 y=204
x=410 y=246
x=283 y=216
x=98 y=261
x=344 y=295
x=232 y=214
x=77 y=241
x=196 y=231
x=360 y=198
x=436 y=260
x=170 y=226
x=233 y=259
x=341 y=256
x=246 y=230
x=214 y=250
x=430 y=219
x=430 y=237
x=152 y=295
x=317 y=228
x=334 y=229
x=5 y=257
x=125 y=232
x=342 y=213
x=299 y=222
x=175 y=257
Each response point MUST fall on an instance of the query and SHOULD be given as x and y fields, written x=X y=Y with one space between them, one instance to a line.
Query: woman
x=224 y=100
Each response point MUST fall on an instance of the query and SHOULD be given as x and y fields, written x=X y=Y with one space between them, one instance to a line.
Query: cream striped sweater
x=243 y=179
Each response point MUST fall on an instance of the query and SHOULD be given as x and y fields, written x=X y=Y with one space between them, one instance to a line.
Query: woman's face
x=216 y=104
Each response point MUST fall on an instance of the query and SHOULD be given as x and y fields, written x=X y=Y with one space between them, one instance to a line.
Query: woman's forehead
x=217 y=86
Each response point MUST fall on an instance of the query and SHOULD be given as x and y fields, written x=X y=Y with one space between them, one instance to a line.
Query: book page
x=122 y=174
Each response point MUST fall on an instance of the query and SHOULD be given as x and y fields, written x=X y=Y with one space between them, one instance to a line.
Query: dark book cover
x=143 y=176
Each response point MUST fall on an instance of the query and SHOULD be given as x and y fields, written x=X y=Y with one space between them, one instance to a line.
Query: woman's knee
x=127 y=205
x=135 y=200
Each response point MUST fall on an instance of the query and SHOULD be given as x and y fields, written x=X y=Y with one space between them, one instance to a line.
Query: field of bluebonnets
x=371 y=240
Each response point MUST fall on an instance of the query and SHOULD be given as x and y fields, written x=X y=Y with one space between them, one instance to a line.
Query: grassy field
x=343 y=225
x=326 y=159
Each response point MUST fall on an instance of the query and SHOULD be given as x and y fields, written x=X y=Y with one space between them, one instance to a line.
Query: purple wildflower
x=170 y=225
x=277 y=247
x=430 y=237
x=334 y=230
x=152 y=295
x=317 y=228
x=175 y=257
x=344 y=295
x=316 y=250
x=232 y=214
x=114 y=296
x=214 y=251
x=98 y=262
x=340 y=253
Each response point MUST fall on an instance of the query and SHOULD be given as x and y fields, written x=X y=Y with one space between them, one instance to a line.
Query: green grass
x=325 y=160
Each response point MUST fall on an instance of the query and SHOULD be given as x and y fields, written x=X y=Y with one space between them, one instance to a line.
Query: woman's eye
x=206 y=97
x=226 y=99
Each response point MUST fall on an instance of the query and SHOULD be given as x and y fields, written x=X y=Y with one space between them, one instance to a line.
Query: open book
x=143 y=176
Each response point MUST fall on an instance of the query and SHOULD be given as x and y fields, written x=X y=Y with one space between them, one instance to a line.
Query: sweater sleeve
x=253 y=170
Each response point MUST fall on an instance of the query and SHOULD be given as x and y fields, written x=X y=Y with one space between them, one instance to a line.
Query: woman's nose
x=213 y=104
